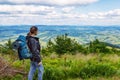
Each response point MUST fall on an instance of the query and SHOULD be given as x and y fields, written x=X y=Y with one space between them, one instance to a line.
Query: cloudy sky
x=60 y=12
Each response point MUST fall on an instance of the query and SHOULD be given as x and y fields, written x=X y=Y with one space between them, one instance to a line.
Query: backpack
x=22 y=48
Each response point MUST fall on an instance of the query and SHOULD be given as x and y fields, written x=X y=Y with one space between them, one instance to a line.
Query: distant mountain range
x=112 y=45
x=83 y=34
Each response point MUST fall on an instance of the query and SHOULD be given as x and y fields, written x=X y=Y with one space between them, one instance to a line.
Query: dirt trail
x=7 y=70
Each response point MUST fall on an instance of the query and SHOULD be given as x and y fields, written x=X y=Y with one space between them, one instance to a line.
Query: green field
x=65 y=59
x=70 y=67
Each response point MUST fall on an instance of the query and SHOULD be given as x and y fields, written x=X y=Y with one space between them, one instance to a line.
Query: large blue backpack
x=21 y=46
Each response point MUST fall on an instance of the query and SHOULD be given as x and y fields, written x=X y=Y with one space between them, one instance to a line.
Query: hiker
x=34 y=46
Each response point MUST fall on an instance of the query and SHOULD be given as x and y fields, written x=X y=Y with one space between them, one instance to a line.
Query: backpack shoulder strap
x=27 y=41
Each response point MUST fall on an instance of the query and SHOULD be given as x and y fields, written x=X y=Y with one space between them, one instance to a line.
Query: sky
x=60 y=12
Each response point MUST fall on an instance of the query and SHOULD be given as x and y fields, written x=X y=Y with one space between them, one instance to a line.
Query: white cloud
x=52 y=2
x=113 y=13
x=24 y=9
x=102 y=15
x=31 y=14
x=68 y=9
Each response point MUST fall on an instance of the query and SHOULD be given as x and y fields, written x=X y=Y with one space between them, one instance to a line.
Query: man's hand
x=39 y=63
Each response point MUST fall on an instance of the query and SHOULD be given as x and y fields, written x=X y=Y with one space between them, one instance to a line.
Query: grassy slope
x=64 y=61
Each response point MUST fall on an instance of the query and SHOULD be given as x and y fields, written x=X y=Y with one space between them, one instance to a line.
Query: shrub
x=97 y=70
x=16 y=77
x=63 y=44
x=7 y=48
x=53 y=73
x=98 y=47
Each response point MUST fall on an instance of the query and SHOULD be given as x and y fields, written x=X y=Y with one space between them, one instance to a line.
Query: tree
x=8 y=45
x=63 y=44
x=96 y=47
x=7 y=48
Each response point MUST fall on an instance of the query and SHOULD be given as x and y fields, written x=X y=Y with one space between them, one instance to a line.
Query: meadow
x=65 y=59
x=69 y=67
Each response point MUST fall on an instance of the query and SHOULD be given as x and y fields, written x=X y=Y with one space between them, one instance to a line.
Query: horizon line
x=51 y=25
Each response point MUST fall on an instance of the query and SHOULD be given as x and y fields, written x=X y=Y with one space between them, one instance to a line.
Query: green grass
x=73 y=67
